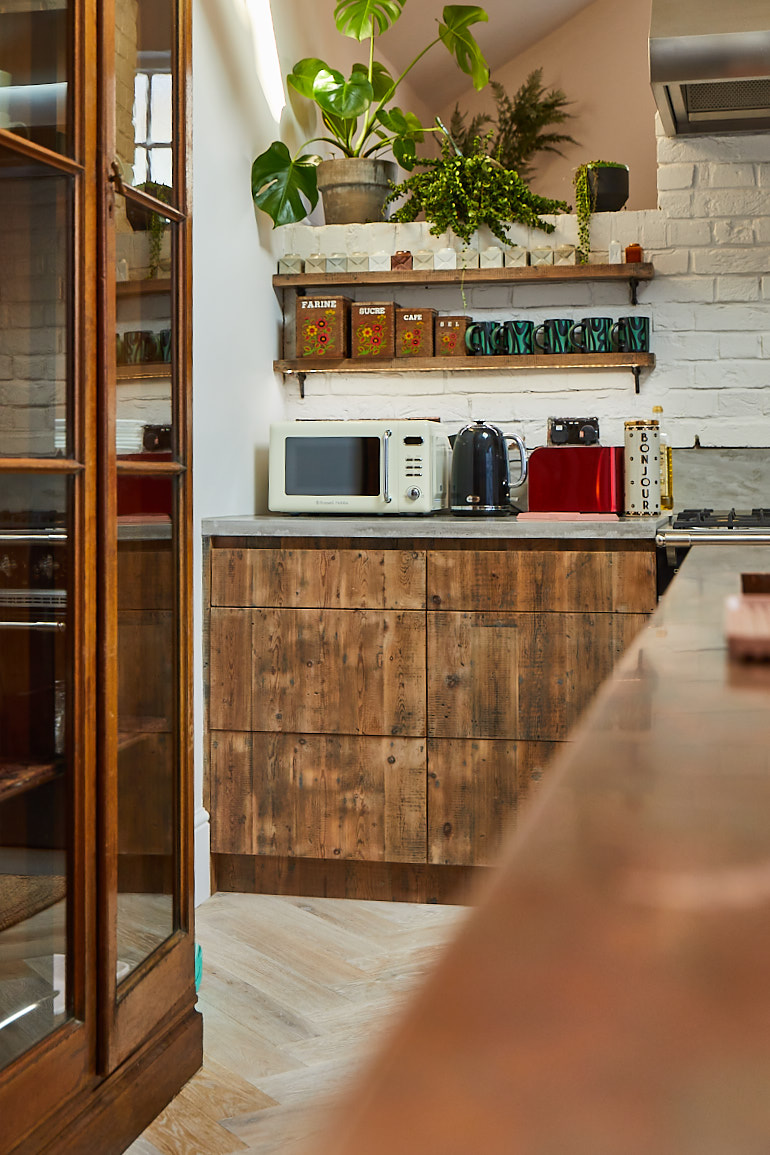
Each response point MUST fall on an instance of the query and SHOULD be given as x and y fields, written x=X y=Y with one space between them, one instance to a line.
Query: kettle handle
x=522 y=457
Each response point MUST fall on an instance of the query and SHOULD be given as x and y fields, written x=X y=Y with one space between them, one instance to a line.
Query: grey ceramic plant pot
x=354 y=189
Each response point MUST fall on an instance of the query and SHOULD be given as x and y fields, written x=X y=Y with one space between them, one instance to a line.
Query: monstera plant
x=358 y=114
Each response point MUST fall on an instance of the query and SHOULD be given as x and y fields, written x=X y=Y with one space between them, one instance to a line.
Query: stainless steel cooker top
x=717 y=527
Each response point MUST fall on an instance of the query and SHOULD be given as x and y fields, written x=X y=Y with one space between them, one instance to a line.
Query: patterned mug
x=556 y=335
x=592 y=335
x=481 y=337
x=632 y=334
x=516 y=338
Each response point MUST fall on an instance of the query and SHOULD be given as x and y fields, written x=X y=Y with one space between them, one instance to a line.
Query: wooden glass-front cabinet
x=98 y=1026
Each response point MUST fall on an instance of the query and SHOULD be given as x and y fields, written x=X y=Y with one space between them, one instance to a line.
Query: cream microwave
x=358 y=467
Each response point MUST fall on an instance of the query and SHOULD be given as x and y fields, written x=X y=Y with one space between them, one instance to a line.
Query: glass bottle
x=666 y=464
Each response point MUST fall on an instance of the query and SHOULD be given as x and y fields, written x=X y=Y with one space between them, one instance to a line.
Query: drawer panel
x=318 y=671
x=525 y=676
x=318 y=578
x=606 y=581
x=475 y=790
x=309 y=796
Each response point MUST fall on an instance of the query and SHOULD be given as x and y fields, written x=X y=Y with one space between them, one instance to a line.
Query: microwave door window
x=333 y=466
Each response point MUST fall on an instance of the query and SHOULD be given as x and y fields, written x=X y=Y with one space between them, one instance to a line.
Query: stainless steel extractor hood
x=710 y=65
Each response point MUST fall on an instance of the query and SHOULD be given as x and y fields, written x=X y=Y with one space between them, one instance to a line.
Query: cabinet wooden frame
x=555 y=599
x=96 y=1081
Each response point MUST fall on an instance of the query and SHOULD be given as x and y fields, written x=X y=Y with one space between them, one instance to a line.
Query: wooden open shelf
x=634 y=361
x=526 y=275
x=18 y=777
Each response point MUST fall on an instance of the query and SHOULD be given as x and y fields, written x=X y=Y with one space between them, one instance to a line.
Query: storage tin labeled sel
x=414 y=332
x=322 y=326
x=642 y=467
x=450 y=337
x=371 y=330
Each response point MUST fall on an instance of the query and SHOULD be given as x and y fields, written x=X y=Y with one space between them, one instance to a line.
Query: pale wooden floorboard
x=296 y=992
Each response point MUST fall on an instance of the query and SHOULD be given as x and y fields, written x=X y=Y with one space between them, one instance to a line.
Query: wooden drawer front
x=526 y=676
x=474 y=791
x=309 y=578
x=318 y=797
x=318 y=671
x=542 y=580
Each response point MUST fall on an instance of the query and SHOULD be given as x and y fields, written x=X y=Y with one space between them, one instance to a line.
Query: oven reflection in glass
x=147 y=739
x=33 y=767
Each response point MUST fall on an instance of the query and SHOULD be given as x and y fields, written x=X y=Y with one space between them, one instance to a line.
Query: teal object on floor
x=198 y=966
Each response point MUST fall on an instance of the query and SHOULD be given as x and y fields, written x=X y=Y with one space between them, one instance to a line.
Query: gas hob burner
x=727 y=519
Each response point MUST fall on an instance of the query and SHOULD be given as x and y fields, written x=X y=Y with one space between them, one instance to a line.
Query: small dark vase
x=610 y=187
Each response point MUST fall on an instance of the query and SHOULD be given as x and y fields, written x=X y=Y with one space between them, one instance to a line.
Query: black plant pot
x=610 y=188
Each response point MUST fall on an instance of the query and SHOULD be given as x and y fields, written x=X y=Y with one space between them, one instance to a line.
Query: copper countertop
x=609 y=993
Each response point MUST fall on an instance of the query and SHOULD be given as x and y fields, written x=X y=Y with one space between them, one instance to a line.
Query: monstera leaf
x=302 y=76
x=455 y=34
x=406 y=129
x=361 y=19
x=382 y=81
x=279 y=182
x=346 y=99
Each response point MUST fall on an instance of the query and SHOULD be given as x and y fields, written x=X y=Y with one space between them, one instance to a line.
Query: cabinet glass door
x=46 y=652
x=147 y=266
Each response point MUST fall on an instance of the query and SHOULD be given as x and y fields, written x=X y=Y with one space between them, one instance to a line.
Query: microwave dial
x=414 y=493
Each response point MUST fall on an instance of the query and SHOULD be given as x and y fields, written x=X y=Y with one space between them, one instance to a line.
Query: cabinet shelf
x=144 y=369
x=18 y=777
x=140 y=288
x=477 y=364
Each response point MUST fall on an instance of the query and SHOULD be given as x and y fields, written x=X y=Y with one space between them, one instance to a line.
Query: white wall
x=236 y=318
x=599 y=59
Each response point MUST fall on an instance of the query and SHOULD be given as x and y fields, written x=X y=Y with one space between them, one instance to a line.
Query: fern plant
x=520 y=126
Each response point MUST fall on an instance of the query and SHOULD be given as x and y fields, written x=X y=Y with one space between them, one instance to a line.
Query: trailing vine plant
x=462 y=193
x=585 y=203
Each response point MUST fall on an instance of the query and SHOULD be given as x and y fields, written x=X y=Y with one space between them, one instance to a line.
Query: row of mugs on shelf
x=335 y=327
x=429 y=260
x=559 y=335
x=142 y=346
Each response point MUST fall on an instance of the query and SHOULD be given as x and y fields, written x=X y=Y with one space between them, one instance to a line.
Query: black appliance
x=480 y=479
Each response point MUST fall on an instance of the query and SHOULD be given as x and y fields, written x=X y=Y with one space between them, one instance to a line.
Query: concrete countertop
x=608 y=994
x=441 y=525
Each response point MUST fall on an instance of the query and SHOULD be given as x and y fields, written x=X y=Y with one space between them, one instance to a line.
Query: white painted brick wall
x=709 y=305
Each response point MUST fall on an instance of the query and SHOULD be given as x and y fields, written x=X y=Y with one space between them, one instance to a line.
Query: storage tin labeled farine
x=642 y=467
x=322 y=326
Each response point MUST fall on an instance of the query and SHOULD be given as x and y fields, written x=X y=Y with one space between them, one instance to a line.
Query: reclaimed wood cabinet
x=379 y=712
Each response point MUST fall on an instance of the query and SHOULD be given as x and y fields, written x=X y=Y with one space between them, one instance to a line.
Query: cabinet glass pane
x=34 y=766
x=35 y=237
x=147 y=738
x=34 y=40
x=144 y=347
x=144 y=84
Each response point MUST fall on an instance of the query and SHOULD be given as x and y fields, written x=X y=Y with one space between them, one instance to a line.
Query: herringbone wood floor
x=295 y=991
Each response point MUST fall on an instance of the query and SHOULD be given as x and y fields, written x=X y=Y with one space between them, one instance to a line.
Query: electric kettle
x=480 y=480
